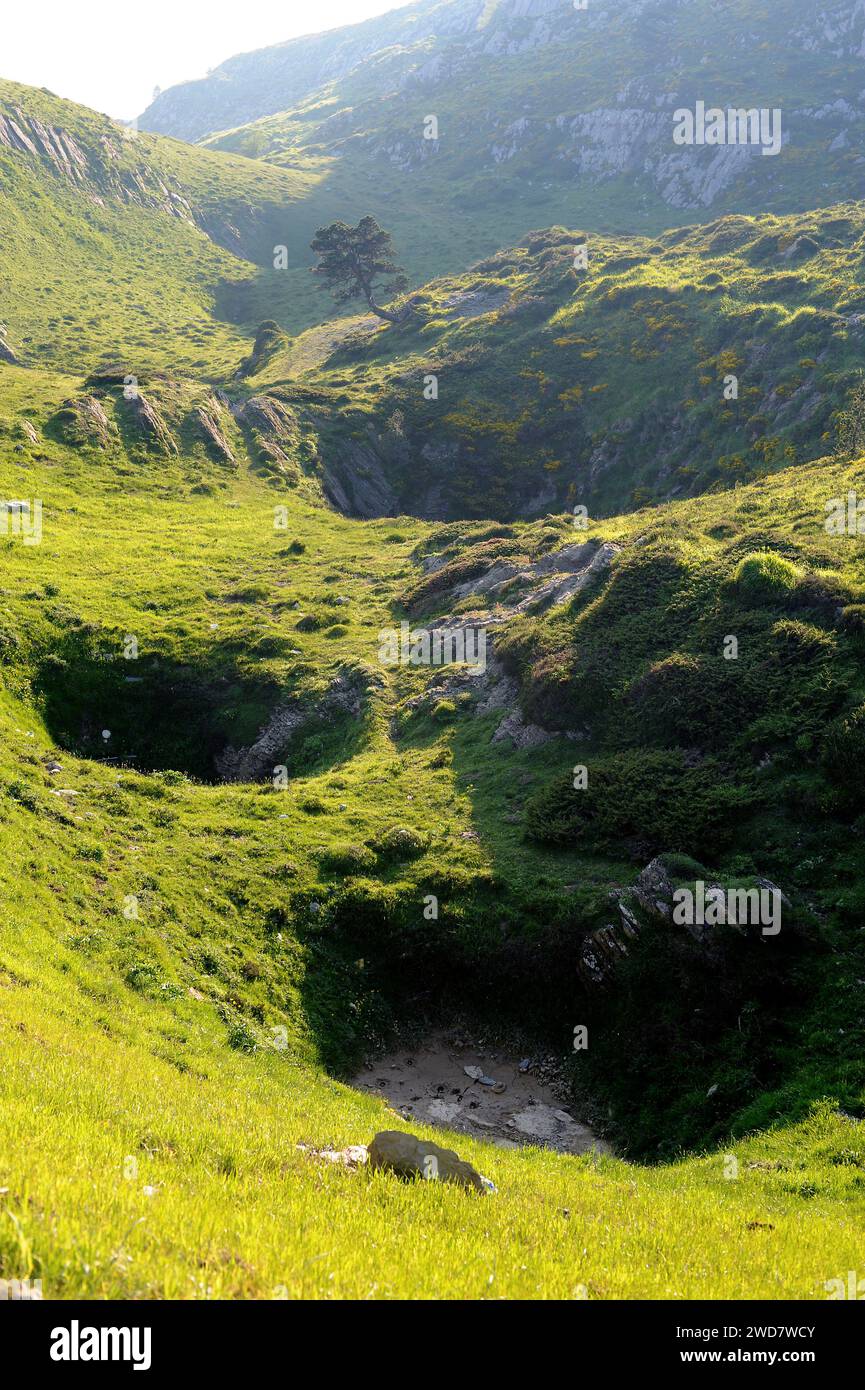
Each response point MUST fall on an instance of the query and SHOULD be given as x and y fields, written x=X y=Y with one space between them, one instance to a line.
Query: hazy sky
x=110 y=54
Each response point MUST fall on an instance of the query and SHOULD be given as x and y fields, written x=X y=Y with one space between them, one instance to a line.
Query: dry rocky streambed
x=463 y=1086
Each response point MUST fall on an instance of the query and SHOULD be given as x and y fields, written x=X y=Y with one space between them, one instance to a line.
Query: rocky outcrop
x=345 y=697
x=472 y=304
x=354 y=481
x=29 y=135
x=651 y=900
x=209 y=426
x=273 y=431
x=7 y=354
x=558 y=591
x=102 y=169
x=519 y=734
x=150 y=425
x=515 y=590
x=83 y=422
x=530 y=588
x=619 y=129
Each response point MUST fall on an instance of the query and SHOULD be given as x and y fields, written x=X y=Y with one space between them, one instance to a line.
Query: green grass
x=617 y=377
x=237 y=1211
x=151 y=253
x=110 y=1057
x=189 y=968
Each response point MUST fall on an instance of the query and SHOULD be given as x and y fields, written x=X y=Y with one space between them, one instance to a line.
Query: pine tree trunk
x=384 y=313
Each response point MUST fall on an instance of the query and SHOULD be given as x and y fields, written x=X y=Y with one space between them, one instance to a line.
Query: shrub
x=241 y=1037
x=652 y=796
x=142 y=976
x=853 y=619
x=798 y=642
x=765 y=577
x=348 y=859
x=444 y=710
x=844 y=753
x=400 y=842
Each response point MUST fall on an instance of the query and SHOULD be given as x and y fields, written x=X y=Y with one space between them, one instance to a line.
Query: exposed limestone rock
x=6 y=352
x=471 y=304
x=654 y=890
x=601 y=952
x=651 y=899
x=560 y=590
x=352 y=1157
x=571 y=559
x=496 y=577
x=274 y=430
x=84 y=421
x=26 y=134
x=355 y=482
x=345 y=697
x=150 y=424
x=520 y=734
x=29 y=431
x=579 y=563
x=208 y=421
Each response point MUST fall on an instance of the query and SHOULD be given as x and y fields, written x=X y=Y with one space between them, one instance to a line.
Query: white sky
x=110 y=54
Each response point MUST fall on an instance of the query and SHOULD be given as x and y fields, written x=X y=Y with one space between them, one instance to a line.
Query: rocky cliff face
x=565 y=95
x=108 y=165
x=269 y=80
x=104 y=171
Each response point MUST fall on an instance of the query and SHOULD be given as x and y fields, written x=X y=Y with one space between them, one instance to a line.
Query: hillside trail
x=430 y=1084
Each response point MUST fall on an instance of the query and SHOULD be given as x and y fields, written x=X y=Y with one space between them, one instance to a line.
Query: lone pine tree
x=352 y=259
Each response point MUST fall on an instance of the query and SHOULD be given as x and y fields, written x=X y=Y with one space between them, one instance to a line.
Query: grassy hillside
x=183 y=960
x=546 y=115
x=604 y=387
x=115 y=243
x=224 y=814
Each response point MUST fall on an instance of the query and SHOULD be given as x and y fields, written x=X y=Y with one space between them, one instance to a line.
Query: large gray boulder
x=411 y=1157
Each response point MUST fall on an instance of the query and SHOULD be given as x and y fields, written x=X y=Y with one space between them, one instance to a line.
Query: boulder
x=150 y=424
x=411 y=1157
x=520 y=734
x=84 y=422
x=654 y=890
x=274 y=429
x=209 y=427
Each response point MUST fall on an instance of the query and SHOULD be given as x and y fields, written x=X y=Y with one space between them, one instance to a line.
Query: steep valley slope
x=225 y=818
